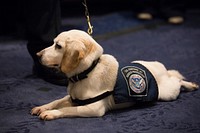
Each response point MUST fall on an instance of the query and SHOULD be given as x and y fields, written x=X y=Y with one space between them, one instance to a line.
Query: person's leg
x=43 y=24
x=144 y=9
x=8 y=14
x=43 y=19
x=172 y=10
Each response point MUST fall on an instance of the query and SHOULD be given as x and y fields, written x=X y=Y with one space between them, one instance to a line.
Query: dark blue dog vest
x=135 y=83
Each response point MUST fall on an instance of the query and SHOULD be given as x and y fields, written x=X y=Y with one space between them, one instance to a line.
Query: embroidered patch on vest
x=136 y=81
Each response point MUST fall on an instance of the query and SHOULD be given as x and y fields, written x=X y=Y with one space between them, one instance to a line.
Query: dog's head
x=72 y=50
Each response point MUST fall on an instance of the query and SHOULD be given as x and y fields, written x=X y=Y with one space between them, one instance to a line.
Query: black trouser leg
x=171 y=8
x=145 y=6
x=42 y=20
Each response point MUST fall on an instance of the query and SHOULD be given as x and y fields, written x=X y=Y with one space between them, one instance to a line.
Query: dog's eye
x=57 y=46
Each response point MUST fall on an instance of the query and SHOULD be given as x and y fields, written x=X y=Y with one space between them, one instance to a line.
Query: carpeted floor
x=127 y=39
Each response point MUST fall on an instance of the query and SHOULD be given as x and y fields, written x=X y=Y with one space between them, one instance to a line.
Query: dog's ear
x=92 y=47
x=69 y=63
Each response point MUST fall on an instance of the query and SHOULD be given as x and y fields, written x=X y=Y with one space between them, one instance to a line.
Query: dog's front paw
x=38 y=110
x=50 y=115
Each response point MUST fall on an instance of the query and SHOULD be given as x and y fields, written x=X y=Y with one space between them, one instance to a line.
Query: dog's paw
x=50 y=115
x=195 y=86
x=38 y=110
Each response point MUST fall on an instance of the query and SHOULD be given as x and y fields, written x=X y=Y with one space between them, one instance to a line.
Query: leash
x=87 y=15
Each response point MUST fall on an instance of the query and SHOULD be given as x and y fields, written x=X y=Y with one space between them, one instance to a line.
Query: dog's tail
x=189 y=86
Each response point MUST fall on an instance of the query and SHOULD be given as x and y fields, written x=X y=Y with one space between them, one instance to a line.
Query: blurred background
x=12 y=14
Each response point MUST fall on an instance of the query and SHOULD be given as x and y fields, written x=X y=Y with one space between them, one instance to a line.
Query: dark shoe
x=50 y=75
x=144 y=16
x=176 y=20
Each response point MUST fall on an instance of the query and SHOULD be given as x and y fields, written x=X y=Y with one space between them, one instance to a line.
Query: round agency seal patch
x=137 y=83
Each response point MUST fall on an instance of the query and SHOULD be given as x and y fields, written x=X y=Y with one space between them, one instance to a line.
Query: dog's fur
x=73 y=52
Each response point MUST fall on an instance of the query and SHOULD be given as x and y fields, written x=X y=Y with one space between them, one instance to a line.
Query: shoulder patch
x=136 y=81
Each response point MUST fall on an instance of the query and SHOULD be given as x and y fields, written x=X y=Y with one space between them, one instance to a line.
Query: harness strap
x=91 y=100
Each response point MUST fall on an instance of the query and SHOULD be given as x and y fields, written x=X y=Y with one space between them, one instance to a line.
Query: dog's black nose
x=39 y=54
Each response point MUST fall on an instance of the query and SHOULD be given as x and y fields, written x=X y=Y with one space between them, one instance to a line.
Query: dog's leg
x=170 y=85
x=91 y=110
x=64 y=102
x=189 y=86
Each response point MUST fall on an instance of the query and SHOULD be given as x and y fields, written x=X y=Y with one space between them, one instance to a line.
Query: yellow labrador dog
x=94 y=86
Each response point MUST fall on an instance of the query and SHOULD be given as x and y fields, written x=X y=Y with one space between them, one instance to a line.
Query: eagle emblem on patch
x=136 y=81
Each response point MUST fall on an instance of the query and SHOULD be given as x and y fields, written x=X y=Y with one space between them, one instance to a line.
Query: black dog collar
x=84 y=74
